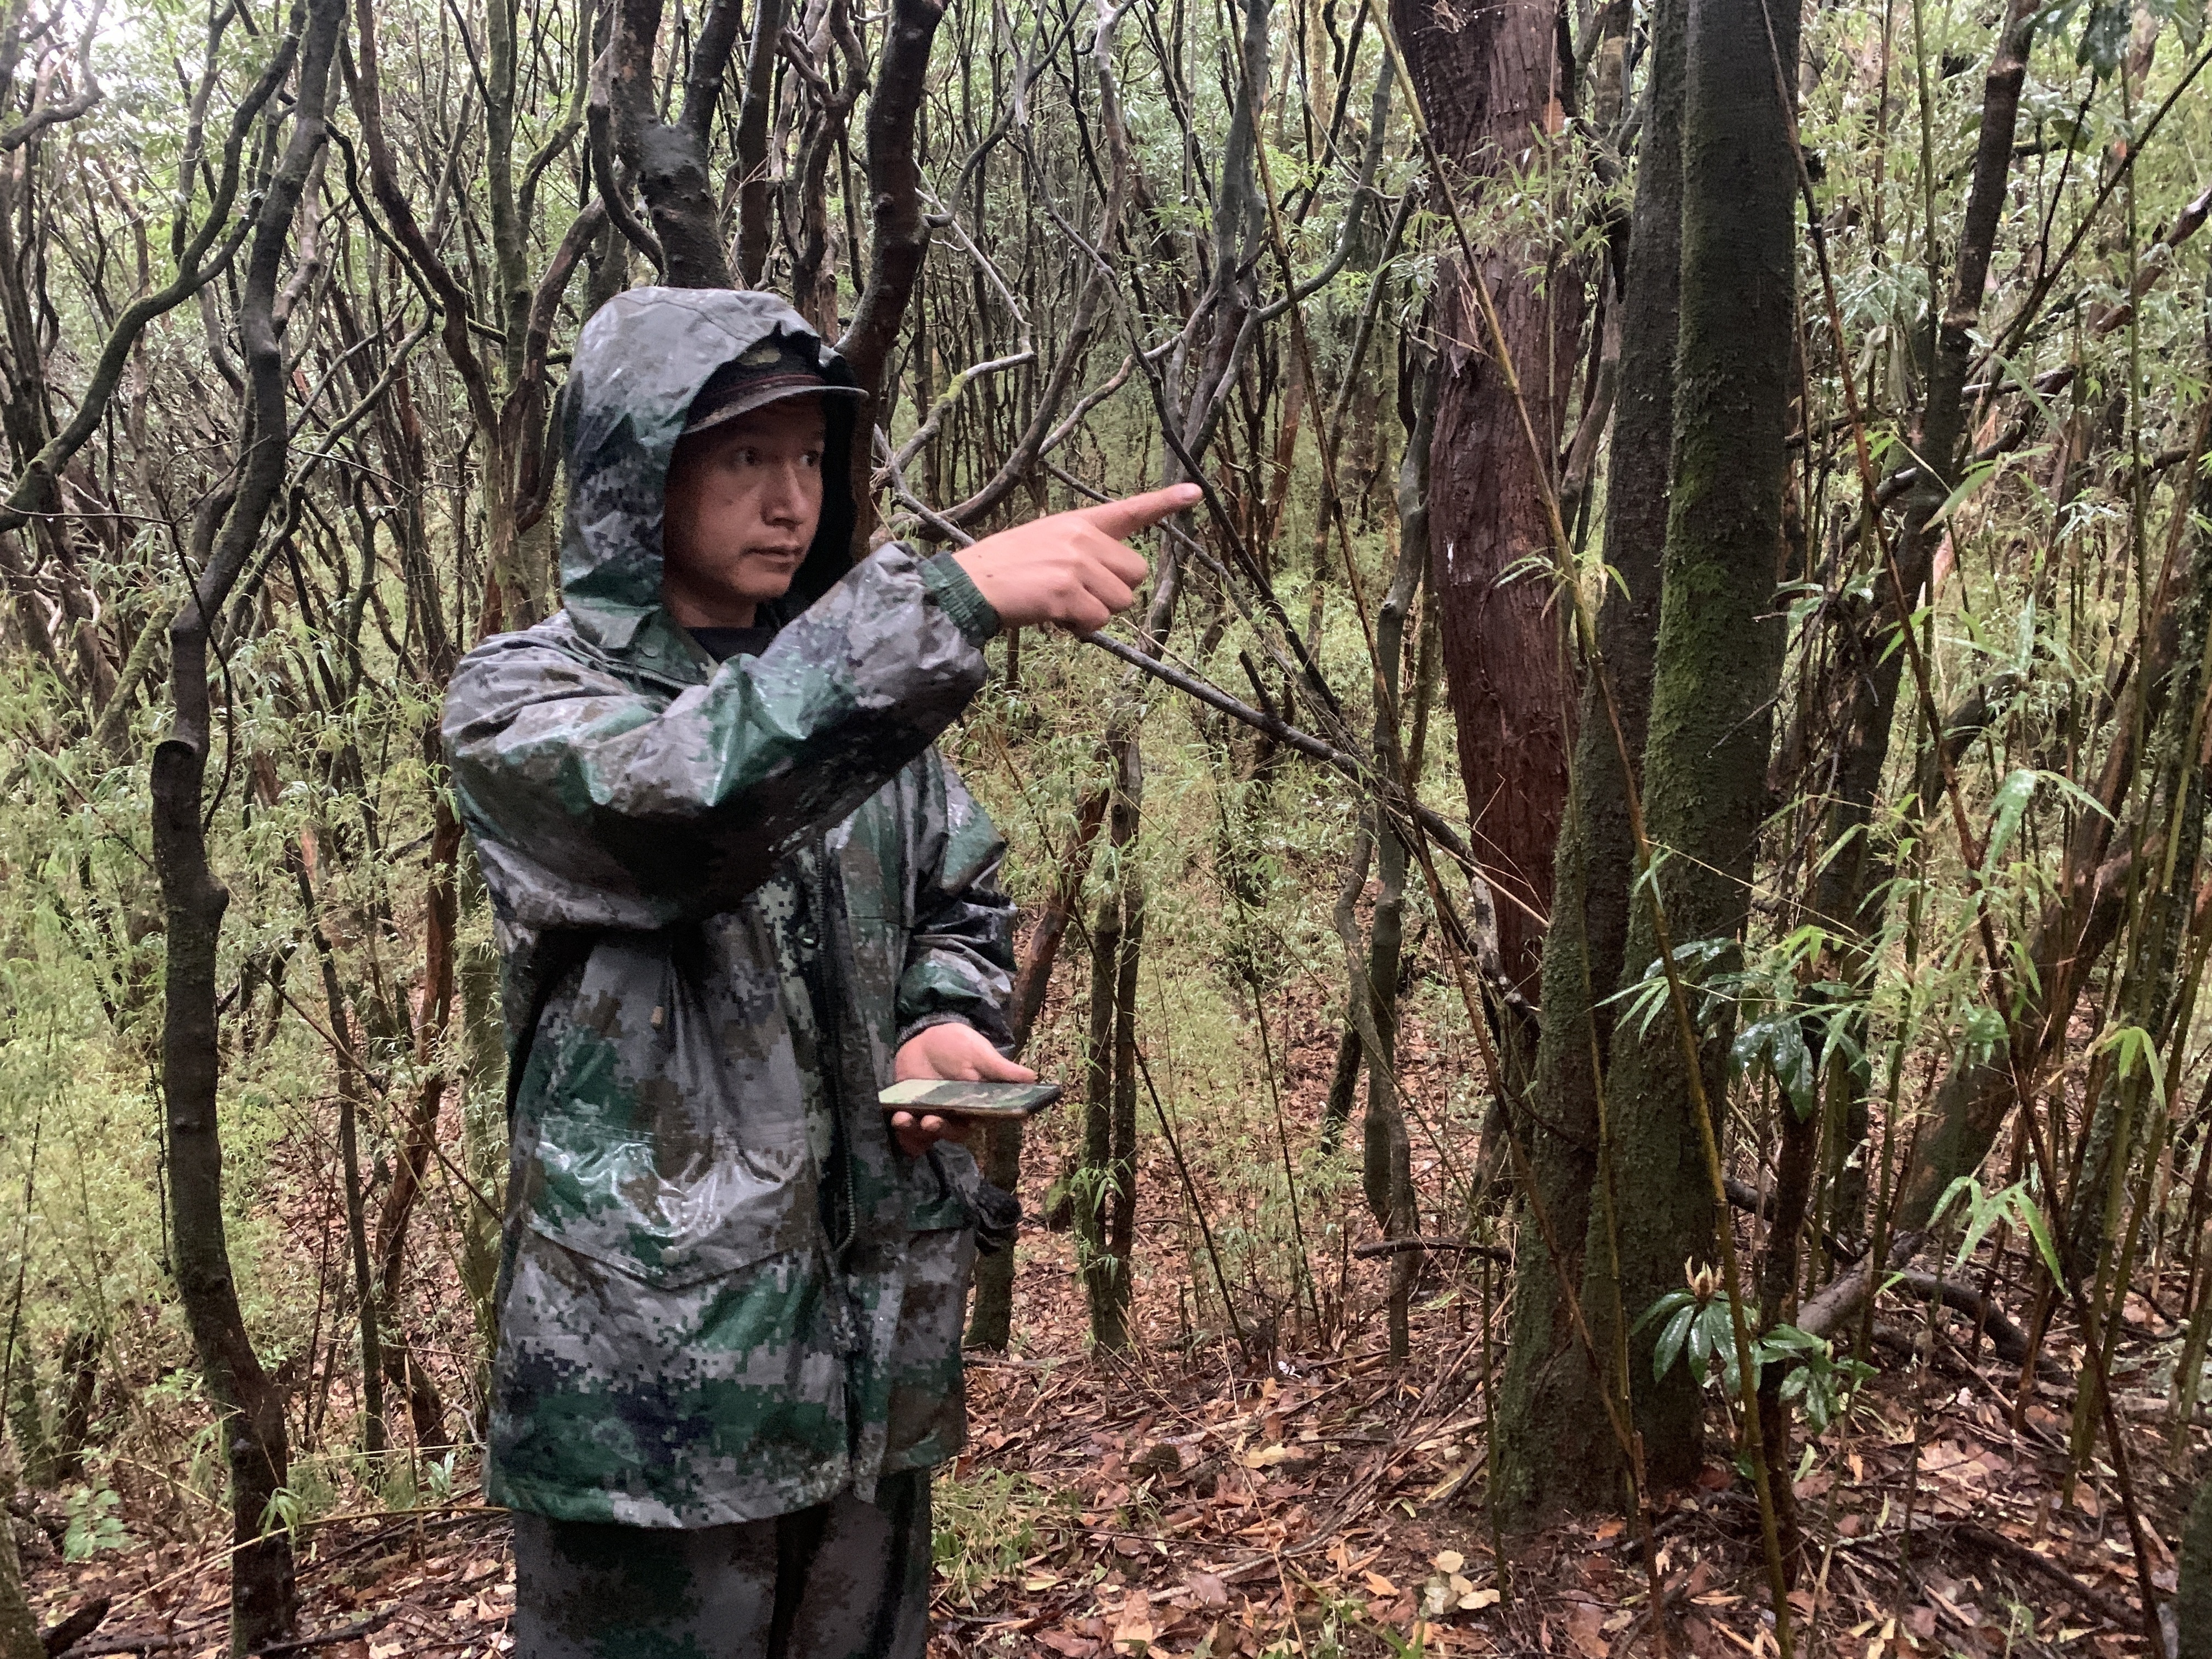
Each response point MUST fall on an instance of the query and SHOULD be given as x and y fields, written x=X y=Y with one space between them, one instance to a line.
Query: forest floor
x=1169 y=1504
x=1310 y=1500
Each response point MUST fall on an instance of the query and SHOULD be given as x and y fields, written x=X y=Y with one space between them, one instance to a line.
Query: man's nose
x=785 y=502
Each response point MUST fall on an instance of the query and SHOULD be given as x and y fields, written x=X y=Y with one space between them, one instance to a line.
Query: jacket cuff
x=982 y=1019
x=963 y=601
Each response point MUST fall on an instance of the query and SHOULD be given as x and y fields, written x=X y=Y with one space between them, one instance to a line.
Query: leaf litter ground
x=1327 y=1504
x=1308 y=1498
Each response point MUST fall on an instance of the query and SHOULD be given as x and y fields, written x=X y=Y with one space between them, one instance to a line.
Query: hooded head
x=640 y=365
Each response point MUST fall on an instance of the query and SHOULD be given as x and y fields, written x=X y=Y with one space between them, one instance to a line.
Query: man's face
x=743 y=501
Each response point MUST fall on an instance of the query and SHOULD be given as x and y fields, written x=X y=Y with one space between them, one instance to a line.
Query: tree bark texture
x=669 y=159
x=1106 y=1196
x=753 y=193
x=899 y=235
x=1492 y=87
x=1716 y=671
x=1554 y=1447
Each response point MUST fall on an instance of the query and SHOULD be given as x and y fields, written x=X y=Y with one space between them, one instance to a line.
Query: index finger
x=1124 y=518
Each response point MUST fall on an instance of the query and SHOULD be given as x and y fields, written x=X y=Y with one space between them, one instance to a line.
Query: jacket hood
x=640 y=360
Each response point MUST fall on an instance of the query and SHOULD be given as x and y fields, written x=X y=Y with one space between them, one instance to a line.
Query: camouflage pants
x=844 y=1580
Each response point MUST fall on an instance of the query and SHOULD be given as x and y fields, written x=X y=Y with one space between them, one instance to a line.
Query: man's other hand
x=951 y=1053
x=1072 y=568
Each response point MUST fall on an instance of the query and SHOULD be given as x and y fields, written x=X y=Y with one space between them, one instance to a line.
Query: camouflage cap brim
x=758 y=394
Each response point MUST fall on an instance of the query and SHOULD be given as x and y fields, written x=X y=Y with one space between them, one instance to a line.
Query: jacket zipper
x=822 y=986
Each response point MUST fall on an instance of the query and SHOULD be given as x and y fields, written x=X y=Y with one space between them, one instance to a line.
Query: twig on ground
x=302 y=1644
x=2013 y=1552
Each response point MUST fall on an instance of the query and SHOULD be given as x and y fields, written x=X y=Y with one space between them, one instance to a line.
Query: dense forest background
x=1626 y=917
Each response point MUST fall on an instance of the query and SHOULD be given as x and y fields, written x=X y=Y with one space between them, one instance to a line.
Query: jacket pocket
x=647 y=1149
x=718 y=1401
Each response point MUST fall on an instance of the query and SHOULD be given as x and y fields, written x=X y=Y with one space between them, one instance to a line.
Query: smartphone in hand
x=969 y=1100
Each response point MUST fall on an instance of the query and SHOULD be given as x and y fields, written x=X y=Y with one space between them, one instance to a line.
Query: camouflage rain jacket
x=725 y=895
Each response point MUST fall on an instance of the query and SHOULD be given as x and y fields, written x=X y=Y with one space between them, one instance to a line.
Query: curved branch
x=43 y=115
x=752 y=141
x=669 y=162
x=599 y=142
x=901 y=239
x=1355 y=213
x=34 y=486
x=366 y=93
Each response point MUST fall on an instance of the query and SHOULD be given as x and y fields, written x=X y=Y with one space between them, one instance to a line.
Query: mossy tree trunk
x=1553 y=1446
x=1715 y=673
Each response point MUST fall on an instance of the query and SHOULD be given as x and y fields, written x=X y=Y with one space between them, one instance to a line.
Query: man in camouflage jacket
x=734 y=898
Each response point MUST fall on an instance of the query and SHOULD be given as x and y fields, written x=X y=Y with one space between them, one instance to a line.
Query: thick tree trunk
x=251 y=1408
x=1714 y=674
x=1553 y=1445
x=1487 y=77
x=669 y=159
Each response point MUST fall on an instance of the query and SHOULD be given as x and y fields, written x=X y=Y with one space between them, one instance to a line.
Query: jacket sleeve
x=594 y=803
x=959 y=957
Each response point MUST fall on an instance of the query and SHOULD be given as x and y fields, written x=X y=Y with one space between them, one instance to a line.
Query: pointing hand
x=1072 y=568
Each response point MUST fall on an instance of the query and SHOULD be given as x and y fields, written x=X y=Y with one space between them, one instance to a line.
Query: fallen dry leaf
x=1135 y=1630
x=1586 y=1629
x=1208 y=1589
